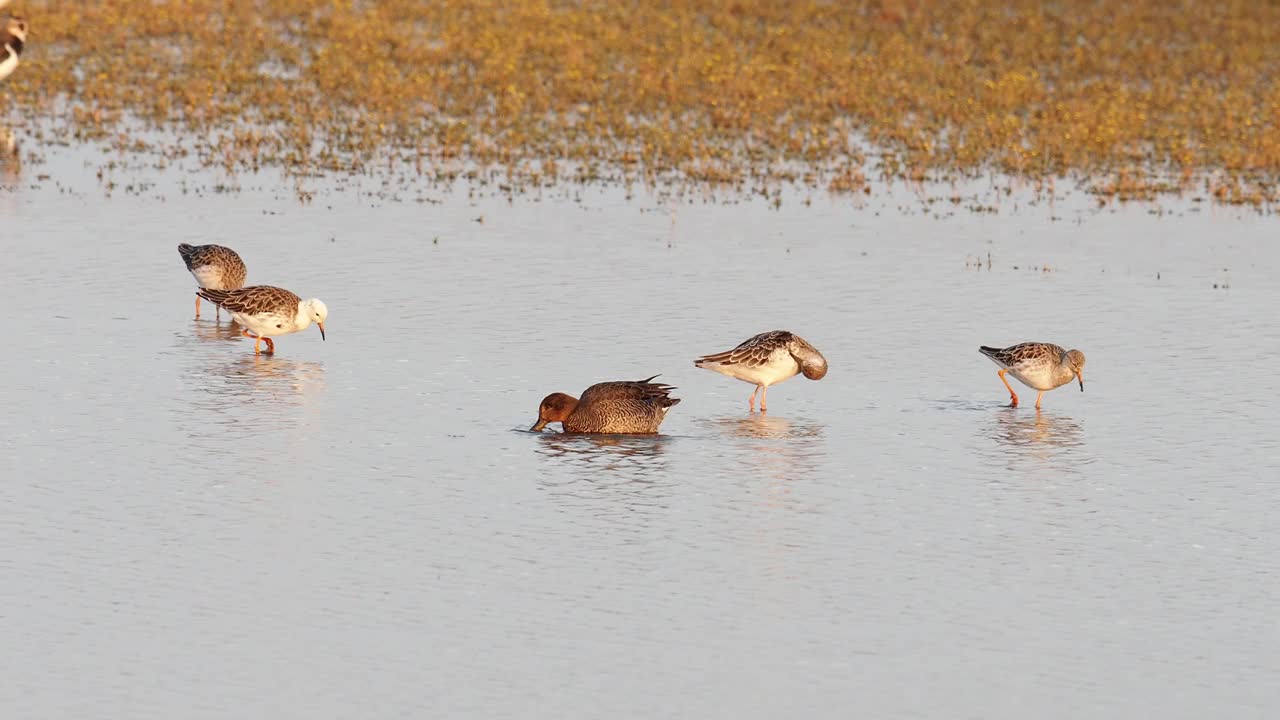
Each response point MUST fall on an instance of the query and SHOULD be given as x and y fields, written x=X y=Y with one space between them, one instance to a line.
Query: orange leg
x=764 y=392
x=256 y=339
x=197 y=307
x=271 y=347
x=1013 y=396
x=1038 y=396
x=751 y=403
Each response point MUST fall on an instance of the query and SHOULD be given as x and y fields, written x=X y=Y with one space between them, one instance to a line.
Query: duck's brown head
x=555 y=407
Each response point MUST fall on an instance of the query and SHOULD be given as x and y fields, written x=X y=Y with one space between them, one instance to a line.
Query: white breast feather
x=209 y=276
x=9 y=65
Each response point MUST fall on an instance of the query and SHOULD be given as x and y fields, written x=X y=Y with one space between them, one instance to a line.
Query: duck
x=632 y=407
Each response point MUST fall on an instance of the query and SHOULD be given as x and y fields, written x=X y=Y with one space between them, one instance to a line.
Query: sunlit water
x=361 y=527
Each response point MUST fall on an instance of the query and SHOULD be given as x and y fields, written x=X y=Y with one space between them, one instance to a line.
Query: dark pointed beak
x=537 y=427
x=321 y=326
x=1080 y=377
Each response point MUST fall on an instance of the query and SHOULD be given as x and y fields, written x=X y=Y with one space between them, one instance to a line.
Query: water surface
x=360 y=527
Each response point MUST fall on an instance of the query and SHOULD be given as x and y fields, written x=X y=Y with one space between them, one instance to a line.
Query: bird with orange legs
x=1039 y=366
x=767 y=359
x=268 y=312
x=214 y=267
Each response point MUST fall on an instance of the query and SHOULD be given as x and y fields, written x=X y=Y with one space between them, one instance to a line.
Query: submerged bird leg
x=256 y=339
x=751 y=402
x=197 y=307
x=271 y=347
x=764 y=393
x=1013 y=396
x=1038 y=396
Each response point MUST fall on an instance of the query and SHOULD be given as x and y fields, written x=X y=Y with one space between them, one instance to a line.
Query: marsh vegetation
x=1126 y=100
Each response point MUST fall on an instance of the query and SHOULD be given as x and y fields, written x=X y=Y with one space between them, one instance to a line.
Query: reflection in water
x=10 y=167
x=252 y=395
x=771 y=453
x=772 y=447
x=763 y=426
x=620 y=479
x=1036 y=436
x=225 y=331
x=252 y=378
x=10 y=171
x=1039 y=430
x=630 y=454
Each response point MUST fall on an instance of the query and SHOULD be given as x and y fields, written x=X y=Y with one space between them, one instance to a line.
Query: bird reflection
x=10 y=159
x=252 y=395
x=766 y=427
x=266 y=377
x=619 y=479
x=1037 y=436
x=772 y=447
x=624 y=453
x=1023 y=429
x=225 y=331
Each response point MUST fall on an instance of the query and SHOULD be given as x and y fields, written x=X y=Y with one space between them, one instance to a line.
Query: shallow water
x=360 y=527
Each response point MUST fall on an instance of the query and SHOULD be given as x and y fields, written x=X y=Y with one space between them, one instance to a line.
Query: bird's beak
x=321 y=326
x=1080 y=377
x=537 y=427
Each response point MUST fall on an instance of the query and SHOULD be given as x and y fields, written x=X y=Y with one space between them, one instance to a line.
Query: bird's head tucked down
x=814 y=368
x=316 y=312
x=1074 y=359
x=17 y=28
x=812 y=364
x=556 y=407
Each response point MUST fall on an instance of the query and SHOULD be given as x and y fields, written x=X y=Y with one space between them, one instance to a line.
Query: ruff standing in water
x=1040 y=366
x=767 y=359
x=268 y=311
x=214 y=267
x=622 y=407
x=13 y=37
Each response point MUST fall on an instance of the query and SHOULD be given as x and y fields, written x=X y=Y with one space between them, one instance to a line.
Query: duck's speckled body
x=621 y=407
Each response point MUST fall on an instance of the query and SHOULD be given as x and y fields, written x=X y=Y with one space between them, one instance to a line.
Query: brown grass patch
x=1122 y=96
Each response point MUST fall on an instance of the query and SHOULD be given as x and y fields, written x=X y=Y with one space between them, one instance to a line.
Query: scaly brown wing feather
x=1014 y=354
x=754 y=351
x=196 y=256
x=254 y=299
